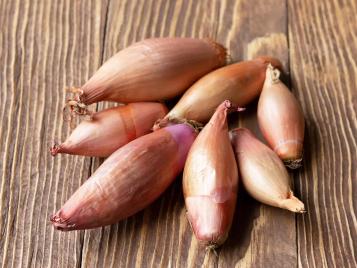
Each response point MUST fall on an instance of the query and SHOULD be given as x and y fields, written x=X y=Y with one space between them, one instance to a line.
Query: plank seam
x=91 y=162
x=288 y=64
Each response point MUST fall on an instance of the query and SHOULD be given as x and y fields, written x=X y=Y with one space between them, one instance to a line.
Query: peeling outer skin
x=129 y=124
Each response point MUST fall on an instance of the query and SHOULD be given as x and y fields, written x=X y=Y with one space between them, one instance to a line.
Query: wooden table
x=46 y=45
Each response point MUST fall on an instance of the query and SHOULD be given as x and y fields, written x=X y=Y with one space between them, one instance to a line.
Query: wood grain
x=323 y=55
x=47 y=45
x=160 y=236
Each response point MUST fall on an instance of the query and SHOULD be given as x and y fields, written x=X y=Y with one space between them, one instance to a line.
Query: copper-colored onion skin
x=110 y=129
x=240 y=83
x=153 y=69
x=129 y=180
x=281 y=119
x=263 y=174
x=210 y=181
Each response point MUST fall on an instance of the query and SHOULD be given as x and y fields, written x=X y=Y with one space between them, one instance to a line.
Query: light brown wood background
x=46 y=45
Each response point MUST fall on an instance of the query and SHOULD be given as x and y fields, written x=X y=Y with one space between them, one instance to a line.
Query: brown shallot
x=150 y=70
x=281 y=119
x=263 y=174
x=240 y=83
x=110 y=129
x=129 y=180
x=210 y=181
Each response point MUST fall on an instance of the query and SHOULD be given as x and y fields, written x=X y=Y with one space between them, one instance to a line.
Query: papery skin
x=240 y=83
x=129 y=180
x=263 y=174
x=110 y=129
x=281 y=119
x=153 y=69
x=210 y=181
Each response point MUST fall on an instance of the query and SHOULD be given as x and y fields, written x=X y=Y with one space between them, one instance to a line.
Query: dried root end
x=73 y=109
x=74 y=106
x=55 y=148
x=61 y=224
x=212 y=248
x=293 y=163
x=169 y=121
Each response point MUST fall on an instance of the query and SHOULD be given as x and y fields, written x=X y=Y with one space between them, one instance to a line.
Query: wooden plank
x=266 y=235
x=323 y=55
x=44 y=45
x=160 y=236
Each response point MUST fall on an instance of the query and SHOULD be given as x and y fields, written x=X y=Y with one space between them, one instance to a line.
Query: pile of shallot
x=147 y=146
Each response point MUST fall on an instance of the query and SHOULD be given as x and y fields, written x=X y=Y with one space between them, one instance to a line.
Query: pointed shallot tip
x=55 y=219
x=232 y=107
x=55 y=148
x=212 y=248
x=60 y=224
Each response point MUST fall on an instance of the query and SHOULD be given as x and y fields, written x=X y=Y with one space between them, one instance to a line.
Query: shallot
x=281 y=119
x=240 y=83
x=110 y=129
x=210 y=181
x=263 y=174
x=151 y=70
x=128 y=180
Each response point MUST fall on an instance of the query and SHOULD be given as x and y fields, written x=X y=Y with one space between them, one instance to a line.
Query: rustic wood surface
x=46 y=45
